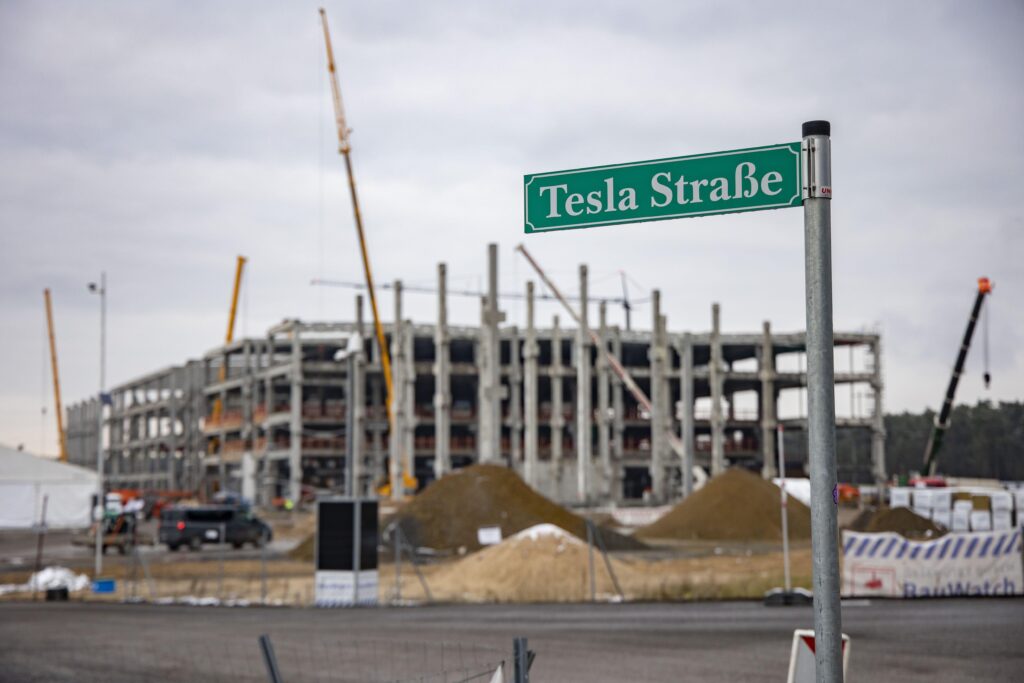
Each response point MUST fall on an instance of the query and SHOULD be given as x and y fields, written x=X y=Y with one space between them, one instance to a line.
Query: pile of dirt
x=903 y=521
x=734 y=506
x=543 y=563
x=447 y=514
x=304 y=551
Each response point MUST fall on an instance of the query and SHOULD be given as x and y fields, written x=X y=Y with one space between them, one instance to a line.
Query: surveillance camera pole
x=101 y=497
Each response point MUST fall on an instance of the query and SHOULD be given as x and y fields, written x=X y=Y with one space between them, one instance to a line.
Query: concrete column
x=442 y=380
x=878 y=468
x=173 y=410
x=604 y=451
x=409 y=398
x=483 y=413
x=295 y=423
x=377 y=435
x=685 y=411
x=618 y=419
x=716 y=380
x=658 y=402
x=490 y=448
x=395 y=436
x=515 y=410
x=248 y=406
x=530 y=389
x=269 y=483
x=584 y=455
x=557 y=410
x=769 y=414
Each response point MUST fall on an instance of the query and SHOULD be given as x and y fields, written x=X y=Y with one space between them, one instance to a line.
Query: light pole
x=101 y=289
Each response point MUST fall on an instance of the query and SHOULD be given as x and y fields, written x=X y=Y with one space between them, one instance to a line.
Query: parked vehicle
x=194 y=526
x=120 y=532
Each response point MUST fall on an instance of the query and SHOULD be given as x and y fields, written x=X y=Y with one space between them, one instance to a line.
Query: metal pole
x=521 y=668
x=590 y=561
x=269 y=659
x=583 y=454
x=40 y=539
x=357 y=538
x=398 y=562
x=821 y=410
x=101 y=497
x=785 y=517
x=350 y=424
x=263 y=567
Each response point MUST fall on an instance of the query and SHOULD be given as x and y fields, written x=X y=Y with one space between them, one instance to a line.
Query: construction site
x=577 y=475
x=269 y=416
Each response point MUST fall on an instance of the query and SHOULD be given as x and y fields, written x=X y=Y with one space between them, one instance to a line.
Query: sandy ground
x=686 y=572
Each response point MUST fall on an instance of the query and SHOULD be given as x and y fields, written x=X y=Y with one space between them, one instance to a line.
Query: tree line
x=985 y=440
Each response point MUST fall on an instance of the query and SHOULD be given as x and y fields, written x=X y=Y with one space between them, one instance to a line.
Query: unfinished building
x=270 y=416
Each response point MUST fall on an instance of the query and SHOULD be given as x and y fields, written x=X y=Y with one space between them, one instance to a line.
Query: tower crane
x=931 y=450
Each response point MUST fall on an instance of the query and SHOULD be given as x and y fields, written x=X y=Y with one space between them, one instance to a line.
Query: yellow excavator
x=408 y=482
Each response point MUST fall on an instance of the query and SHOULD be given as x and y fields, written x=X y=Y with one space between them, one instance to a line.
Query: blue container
x=102 y=586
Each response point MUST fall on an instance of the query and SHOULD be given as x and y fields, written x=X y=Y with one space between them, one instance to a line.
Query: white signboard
x=337 y=588
x=888 y=565
x=488 y=535
x=801 y=657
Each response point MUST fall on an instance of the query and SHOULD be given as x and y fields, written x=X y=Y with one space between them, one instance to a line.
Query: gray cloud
x=157 y=141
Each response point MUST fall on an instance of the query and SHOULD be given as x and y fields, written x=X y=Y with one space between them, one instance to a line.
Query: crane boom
x=239 y=267
x=61 y=436
x=230 y=335
x=931 y=450
x=674 y=441
x=345 y=149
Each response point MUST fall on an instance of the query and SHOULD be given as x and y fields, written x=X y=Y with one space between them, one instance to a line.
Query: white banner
x=888 y=565
x=338 y=588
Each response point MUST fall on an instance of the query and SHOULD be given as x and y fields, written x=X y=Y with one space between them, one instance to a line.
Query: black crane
x=931 y=451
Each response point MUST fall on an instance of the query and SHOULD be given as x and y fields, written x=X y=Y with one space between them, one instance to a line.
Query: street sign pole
x=821 y=410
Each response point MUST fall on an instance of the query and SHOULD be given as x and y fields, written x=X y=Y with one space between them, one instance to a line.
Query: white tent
x=26 y=479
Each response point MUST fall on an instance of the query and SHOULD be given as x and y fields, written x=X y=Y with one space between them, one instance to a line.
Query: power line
x=423 y=289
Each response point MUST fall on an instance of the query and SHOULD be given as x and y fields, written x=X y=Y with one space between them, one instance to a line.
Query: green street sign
x=699 y=185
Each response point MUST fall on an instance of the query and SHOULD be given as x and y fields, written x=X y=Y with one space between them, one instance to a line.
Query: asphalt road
x=934 y=641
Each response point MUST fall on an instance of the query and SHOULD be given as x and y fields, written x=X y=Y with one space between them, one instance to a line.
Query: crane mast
x=931 y=450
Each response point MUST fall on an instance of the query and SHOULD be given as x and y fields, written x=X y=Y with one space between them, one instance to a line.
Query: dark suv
x=194 y=526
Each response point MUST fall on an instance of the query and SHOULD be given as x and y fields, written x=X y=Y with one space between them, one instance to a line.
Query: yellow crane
x=230 y=336
x=345 y=149
x=61 y=436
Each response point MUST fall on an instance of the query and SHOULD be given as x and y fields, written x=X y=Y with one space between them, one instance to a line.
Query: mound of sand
x=903 y=521
x=734 y=506
x=542 y=563
x=447 y=514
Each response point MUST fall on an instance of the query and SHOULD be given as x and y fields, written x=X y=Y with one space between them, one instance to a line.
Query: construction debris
x=737 y=506
x=905 y=522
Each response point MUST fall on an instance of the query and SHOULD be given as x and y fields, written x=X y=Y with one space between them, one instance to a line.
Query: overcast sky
x=156 y=141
